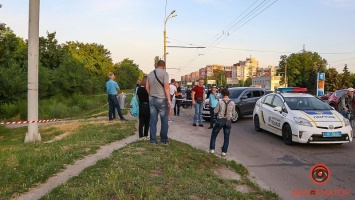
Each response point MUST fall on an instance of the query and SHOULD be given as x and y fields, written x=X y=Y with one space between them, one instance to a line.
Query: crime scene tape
x=30 y=122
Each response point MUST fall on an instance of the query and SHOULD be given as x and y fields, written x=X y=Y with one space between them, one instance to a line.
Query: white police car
x=300 y=117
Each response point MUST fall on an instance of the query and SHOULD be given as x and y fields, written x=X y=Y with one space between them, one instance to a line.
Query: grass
x=24 y=165
x=144 y=171
x=75 y=107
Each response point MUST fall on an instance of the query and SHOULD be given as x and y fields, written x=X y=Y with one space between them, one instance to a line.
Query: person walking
x=224 y=111
x=112 y=88
x=159 y=102
x=144 y=110
x=173 y=92
x=213 y=101
x=198 y=100
x=178 y=98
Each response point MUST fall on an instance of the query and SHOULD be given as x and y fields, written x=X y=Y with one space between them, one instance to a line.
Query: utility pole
x=286 y=75
x=166 y=20
x=33 y=50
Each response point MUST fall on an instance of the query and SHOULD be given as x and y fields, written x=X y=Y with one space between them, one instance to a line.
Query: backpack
x=134 y=105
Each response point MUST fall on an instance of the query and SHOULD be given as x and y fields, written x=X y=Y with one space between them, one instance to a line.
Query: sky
x=229 y=30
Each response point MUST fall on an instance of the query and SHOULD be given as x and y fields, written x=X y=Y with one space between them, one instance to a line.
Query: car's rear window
x=233 y=94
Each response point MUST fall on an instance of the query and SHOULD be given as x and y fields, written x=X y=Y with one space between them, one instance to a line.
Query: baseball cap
x=351 y=89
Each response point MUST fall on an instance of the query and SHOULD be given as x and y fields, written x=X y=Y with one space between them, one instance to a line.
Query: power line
x=226 y=34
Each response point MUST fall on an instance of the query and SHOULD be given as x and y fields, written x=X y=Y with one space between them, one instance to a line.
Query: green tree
x=345 y=78
x=156 y=59
x=302 y=69
x=127 y=73
x=248 y=82
x=352 y=79
x=332 y=80
x=95 y=57
x=220 y=77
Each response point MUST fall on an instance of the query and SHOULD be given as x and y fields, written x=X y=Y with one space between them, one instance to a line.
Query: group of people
x=159 y=98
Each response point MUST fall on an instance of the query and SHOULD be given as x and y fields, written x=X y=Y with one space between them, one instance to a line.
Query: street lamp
x=166 y=20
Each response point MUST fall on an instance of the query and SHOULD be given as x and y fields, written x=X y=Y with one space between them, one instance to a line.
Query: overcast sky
x=231 y=30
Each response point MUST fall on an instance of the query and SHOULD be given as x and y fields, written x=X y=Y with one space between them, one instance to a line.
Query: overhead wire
x=229 y=28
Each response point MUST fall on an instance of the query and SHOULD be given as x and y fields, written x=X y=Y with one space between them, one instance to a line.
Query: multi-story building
x=267 y=82
x=247 y=68
x=202 y=73
x=194 y=76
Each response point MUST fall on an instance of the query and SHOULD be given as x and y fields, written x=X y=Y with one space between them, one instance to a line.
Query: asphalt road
x=282 y=168
x=286 y=169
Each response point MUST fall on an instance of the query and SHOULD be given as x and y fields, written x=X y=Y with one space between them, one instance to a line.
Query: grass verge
x=24 y=165
x=144 y=171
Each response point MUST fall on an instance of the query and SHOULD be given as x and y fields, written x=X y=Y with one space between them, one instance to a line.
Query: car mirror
x=244 y=97
x=278 y=108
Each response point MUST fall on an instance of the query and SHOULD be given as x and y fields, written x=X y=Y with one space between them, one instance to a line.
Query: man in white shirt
x=173 y=92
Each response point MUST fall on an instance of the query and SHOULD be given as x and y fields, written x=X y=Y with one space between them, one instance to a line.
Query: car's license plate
x=206 y=112
x=331 y=134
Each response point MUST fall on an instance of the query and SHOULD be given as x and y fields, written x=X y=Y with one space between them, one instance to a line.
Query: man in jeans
x=159 y=102
x=198 y=100
x=112 y=89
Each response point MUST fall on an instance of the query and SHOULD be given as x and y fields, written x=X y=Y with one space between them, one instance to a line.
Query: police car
x=301 y=117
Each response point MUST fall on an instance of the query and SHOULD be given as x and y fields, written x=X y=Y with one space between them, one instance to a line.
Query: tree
x=332 y=80
x=352 y=79
x=95 y=57
x=248 y=82
x=345 y=78
x=220 y=77
x=127 y=73
x=302 y=69
x=156 y=59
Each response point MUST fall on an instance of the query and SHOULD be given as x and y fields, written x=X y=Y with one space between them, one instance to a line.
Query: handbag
x=199 y=100
x=134 y=105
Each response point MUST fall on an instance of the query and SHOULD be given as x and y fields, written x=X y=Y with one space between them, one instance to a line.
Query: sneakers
x=201 y=125
x=211 y=127
x=171 y=120
x=211 y=150
x=223 y=154
x=193 y=124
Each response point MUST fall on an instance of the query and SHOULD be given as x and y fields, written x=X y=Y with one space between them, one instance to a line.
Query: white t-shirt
x=172 y=90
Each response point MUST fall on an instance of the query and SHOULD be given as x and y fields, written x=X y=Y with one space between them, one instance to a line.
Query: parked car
x=244 y=99
x=300 y=117
x=326 y=96
x=334 y=98
x=183 y=103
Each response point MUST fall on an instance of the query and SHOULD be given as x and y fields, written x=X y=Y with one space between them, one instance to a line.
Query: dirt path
x=181 y=130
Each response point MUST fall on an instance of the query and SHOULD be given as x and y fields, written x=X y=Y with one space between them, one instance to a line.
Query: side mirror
x=278 y=109
x=244 y=97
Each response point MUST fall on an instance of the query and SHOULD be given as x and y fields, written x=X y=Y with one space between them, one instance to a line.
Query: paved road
x=286 y=169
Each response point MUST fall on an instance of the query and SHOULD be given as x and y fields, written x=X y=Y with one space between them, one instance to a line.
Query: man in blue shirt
x=112 y=89
x=213 y=99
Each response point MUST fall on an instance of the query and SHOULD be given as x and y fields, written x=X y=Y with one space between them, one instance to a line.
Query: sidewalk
x=180 y=129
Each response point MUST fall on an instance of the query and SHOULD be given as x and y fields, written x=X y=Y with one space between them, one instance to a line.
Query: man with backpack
x=224 y=111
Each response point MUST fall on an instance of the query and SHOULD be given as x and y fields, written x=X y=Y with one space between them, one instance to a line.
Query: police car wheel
x=287 y=134
x=257 y=124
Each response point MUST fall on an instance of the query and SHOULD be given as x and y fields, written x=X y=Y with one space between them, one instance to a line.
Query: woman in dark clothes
x=144 y=112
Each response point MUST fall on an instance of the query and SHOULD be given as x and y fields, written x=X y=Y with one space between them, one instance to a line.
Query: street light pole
x=166 y=20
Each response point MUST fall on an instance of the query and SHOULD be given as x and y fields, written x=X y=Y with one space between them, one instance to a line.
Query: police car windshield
x=306 y=103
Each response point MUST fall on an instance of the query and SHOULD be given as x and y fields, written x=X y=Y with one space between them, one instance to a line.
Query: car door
x=247 y=103
x=276 y=118
x=266 y=108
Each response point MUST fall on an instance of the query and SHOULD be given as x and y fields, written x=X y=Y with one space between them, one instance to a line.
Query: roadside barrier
x=30 y=122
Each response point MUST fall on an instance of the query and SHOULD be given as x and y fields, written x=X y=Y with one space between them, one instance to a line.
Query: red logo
x=319 y=174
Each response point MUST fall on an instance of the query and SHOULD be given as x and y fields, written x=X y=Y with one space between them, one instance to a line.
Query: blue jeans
x=112 y=104
x=198 y=113
x=226 y=125
x=158 y=106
